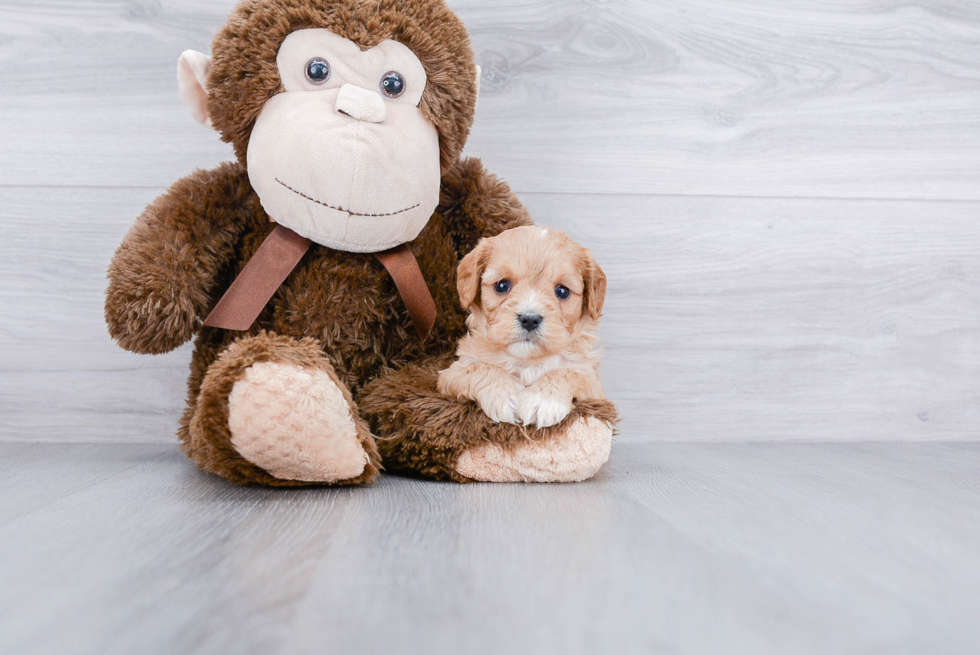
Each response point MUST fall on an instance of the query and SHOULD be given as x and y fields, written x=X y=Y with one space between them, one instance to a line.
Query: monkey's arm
x=477 y=204
x=162 y=276
x=425 y=432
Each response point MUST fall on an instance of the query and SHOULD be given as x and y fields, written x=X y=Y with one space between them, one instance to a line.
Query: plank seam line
x=520 y=192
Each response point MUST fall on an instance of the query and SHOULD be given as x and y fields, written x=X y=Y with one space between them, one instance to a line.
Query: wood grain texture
x=876 y=98
x=785 y=197
x=735 y=319
x=61 y=377
x=33 y=476
x=727 y=319
x=674 y=548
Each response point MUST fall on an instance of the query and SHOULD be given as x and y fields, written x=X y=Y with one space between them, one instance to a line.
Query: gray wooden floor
x=786 y=198
x=674 y=548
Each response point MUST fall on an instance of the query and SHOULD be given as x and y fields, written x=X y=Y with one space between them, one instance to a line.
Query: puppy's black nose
x=530 y=322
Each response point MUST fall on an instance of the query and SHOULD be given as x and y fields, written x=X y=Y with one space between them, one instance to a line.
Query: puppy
x=535 y=298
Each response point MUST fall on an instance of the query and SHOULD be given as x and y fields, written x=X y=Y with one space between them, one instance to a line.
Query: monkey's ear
x=479 y=79
x=469 y=273
x=595 y=287
x=192 y=79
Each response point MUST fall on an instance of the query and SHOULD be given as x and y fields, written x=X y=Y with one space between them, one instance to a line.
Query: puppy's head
x=531 y=291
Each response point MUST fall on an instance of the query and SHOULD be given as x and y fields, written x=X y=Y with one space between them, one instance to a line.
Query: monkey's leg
x=424 y=433
x=272 y=411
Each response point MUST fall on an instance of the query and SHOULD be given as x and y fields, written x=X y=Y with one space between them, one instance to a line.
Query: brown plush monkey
x=347 y=118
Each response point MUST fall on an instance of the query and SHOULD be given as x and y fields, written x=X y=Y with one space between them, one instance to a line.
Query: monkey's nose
x=361 y=104
x=530 y=322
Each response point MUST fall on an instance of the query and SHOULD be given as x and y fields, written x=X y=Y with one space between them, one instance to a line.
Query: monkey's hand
x=162 y=276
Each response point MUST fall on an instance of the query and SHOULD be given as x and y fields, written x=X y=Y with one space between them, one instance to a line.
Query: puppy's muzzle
x=530 y=322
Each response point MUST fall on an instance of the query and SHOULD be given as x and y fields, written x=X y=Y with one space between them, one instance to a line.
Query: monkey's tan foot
x=294 y=423
x=573 y=455
x=271 y=410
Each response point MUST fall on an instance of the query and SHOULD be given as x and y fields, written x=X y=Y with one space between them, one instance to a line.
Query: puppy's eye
x=502 y=287
x=318 y=70
x=562 y=292
x=392 y=84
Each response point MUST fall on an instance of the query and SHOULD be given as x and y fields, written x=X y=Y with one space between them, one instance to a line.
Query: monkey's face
x=343 y=155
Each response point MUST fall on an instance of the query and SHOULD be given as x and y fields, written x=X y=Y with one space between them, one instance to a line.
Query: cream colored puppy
x=535 y=298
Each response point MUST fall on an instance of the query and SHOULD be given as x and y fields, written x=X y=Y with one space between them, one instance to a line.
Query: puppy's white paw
x=500 y=405
x=542 y=409
x=552 y=411
x=527 y=407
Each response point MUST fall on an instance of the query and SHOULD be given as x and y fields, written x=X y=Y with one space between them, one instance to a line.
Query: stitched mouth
x=341 y=209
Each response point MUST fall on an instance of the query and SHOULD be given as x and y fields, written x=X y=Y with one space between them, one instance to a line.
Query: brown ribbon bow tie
x=278 y=256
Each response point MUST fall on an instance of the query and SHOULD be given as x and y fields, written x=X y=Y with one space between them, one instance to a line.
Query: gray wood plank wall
x=784 y=194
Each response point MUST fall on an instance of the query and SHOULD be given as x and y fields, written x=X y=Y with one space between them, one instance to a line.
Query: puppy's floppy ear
x=469 y=273
x=594 y=294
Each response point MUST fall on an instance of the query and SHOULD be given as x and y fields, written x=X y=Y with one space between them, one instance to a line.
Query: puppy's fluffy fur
x=535 y=298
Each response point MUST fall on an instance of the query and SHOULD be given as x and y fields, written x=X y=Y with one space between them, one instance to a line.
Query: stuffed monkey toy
x=318 y=270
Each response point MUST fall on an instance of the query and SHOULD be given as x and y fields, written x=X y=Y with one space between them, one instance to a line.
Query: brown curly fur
x=163 y=276
x=171 y=270
x=339 y=312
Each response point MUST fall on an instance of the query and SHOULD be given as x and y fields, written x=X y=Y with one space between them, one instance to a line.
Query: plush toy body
x=320 y=98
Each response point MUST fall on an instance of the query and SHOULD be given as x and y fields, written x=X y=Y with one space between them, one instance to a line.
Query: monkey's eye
x=502 y=287
x=392 y=84
x=562 y=292
x=318 y=70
